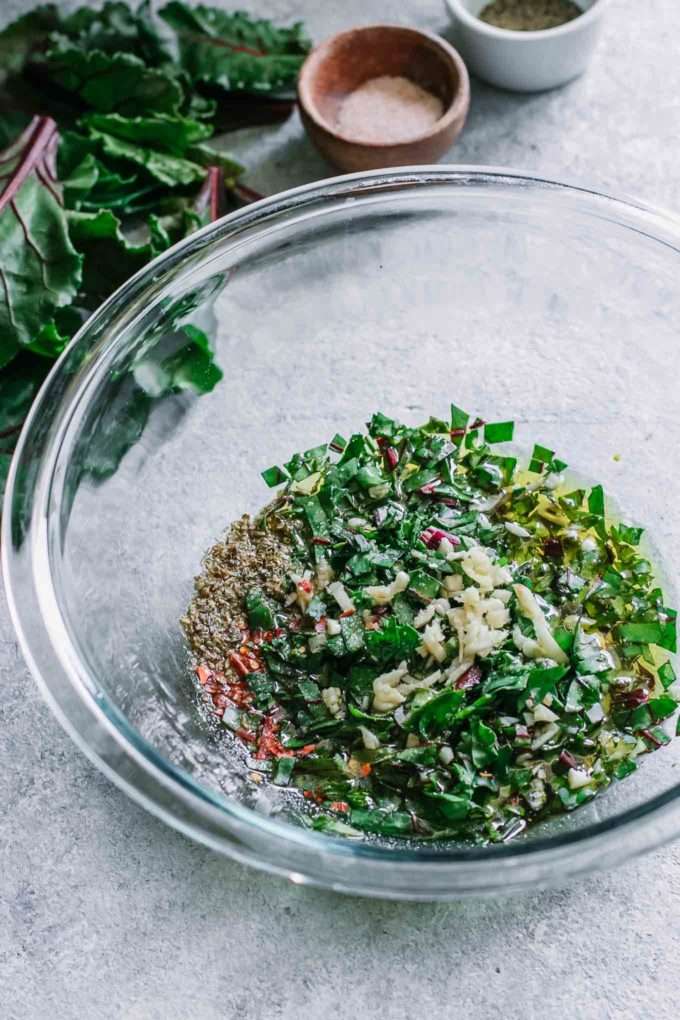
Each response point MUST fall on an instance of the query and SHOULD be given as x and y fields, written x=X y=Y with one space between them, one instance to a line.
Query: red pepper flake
x=247 y=735
x=204 y=674
x=339 y=805
x=319 y=540
x=365 y=770
x=270 y=745
x=470 y=678
x=347 y=612
x=238 y=664
x=307 y=749
x=307 y=794
x=240 y=694
x=304 y=585
x=219 y=712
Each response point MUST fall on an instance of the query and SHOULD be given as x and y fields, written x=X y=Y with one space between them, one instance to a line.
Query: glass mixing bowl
x=400 y=290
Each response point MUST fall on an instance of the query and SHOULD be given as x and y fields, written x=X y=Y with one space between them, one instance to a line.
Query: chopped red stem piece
x=247 y=735
x=652 y=739
x=391 y=458
x=346 y=613
x=319 y=540
x=632 y=699
x=456 y=433
x=433 y=536
x=470 y=678
x=428 y=489
x=564 y=763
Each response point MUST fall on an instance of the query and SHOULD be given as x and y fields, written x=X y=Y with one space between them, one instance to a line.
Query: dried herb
x=529 y=15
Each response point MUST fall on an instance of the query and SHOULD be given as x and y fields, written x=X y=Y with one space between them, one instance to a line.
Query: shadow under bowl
x=345 y=61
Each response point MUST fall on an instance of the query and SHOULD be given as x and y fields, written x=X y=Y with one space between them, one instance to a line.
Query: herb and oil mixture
x=424 y=641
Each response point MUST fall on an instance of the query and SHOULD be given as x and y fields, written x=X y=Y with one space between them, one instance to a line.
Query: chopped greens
x=456 y=649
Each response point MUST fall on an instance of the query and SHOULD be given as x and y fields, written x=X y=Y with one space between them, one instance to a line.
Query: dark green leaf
x=436 y=715
x=113 y=82
x=274 y=476
x=40 y=270
x=259 y=610
x=499 y=432
x=383 y=823
x=392 y=642
x=596 y=501
x=234 y=51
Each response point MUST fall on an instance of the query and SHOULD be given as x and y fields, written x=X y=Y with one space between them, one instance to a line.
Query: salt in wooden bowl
x=338 y=66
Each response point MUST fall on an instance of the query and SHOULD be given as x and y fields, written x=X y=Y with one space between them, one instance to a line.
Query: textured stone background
x=106 y=913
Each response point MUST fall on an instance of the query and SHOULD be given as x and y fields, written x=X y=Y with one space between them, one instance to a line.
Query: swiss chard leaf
x=169 y=149
x=109 y=258
x=19 y=384
x=234 y=51
x=40 y=270
x=392 y=642
x=113 y=82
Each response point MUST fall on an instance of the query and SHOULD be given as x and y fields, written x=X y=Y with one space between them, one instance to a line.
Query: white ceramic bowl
x=525 y=61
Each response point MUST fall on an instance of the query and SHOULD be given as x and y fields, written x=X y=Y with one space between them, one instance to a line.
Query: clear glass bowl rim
x=133 y=764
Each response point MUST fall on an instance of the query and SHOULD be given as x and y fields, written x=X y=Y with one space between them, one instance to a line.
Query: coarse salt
x=388 y=109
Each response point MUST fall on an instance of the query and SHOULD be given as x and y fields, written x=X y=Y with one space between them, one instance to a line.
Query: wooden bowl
x=340 y=64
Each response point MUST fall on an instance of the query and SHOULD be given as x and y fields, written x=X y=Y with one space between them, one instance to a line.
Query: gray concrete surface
x=106 y=913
